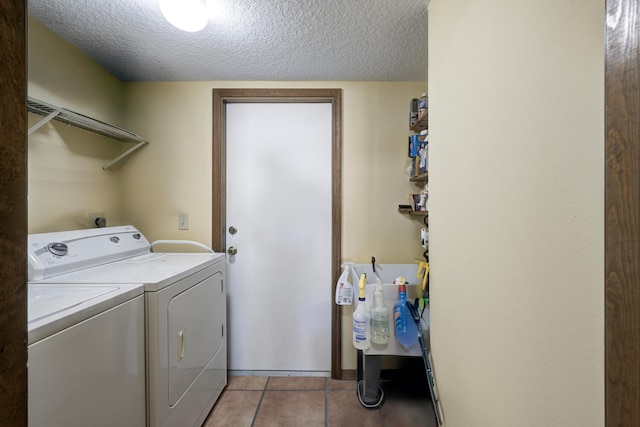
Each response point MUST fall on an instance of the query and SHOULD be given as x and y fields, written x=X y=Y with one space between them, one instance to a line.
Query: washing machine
x=86 y=363
x=185 y=317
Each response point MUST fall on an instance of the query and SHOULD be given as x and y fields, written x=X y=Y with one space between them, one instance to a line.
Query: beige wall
x=65 y=175
x=173 y=174
x=517 y=213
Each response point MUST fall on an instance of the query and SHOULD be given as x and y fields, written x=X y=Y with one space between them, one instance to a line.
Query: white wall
x=517 y=211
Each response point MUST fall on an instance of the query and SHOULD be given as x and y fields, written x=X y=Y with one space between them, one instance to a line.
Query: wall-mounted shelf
x=53 y=112
x=422 y=122
x=420 y=178
x=412 y=212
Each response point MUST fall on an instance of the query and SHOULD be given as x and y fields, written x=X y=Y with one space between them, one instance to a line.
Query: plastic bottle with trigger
x=361 y=320
x=405 y=327
x=379 y=317
x=344 y=289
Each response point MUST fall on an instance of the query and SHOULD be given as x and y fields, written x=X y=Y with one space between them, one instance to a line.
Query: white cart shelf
x=53 y=112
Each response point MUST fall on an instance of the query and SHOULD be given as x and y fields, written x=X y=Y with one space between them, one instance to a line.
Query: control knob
x=59 y=249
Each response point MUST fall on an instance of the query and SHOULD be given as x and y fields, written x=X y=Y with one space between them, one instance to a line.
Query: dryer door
x=195 y=318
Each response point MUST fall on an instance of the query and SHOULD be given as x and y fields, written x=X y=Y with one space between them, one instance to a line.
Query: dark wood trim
x=219 y=173
x=622 y=215
x=224 y=96
x=336 y=244
x=349 y=374
x=13 y=213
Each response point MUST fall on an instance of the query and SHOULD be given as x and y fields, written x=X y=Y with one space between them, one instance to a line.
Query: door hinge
x=222 y=285
x=222 y=328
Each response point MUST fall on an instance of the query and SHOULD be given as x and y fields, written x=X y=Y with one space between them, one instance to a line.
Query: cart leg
x=368 y=373
x=372 y=367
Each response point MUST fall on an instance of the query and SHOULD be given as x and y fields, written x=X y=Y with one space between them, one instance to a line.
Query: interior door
x=278 y=218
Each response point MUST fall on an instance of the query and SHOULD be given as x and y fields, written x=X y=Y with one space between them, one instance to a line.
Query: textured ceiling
x=248 y=39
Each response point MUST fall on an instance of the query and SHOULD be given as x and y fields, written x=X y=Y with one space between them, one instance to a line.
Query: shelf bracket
x=127 y=153
x=44 y=121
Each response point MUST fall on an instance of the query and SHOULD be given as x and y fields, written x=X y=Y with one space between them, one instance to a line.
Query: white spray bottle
x=344 y=289
x=361 y=320
x=379 y=317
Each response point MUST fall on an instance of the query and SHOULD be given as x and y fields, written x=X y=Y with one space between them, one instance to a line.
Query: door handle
x=180 y=345
x=232 y=250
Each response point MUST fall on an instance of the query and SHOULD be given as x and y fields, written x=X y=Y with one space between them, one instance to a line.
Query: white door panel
x=278 y=197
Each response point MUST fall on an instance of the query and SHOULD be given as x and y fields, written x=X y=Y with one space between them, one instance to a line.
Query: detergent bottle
x=405 y=327
x=361 y=320
x=379 y=317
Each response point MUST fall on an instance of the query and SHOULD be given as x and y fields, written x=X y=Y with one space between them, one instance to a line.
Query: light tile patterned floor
x=251 y=401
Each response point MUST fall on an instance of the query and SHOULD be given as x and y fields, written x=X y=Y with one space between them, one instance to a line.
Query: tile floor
x=254 y=401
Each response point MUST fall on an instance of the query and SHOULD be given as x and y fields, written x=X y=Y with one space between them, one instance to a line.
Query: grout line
x=298 y=389
x=326 y=402
x=264 y=390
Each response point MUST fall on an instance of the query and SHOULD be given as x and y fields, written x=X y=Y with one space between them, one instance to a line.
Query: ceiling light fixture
x=186 y=15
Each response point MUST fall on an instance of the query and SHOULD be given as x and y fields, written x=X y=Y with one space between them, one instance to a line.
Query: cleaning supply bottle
x=344 y=290
x=405 y=327
x=413 y=108
x=422 y=105
x=379 y=317
x=361 y=320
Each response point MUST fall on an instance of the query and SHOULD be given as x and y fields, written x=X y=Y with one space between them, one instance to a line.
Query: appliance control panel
x=53 y=254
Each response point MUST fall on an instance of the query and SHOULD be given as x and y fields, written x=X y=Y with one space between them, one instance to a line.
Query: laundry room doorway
x=276 y=212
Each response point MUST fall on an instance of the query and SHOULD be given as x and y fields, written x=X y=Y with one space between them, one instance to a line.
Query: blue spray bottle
x=405 y=327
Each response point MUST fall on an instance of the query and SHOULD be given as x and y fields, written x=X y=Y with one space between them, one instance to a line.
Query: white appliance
x=185 y=319
x=86 y=361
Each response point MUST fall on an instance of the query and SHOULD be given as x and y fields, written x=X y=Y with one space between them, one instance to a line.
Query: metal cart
x=370 y=360
x=369 y=365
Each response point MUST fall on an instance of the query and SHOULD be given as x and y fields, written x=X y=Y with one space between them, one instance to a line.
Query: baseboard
x=279 y=373
x=348 y=374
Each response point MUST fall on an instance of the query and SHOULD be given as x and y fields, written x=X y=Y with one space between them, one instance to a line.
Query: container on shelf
x=422 y=105
x=413 y=108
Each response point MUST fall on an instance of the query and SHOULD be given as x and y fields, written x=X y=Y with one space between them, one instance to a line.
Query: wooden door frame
x=622 y=213
x=221 y=97
x=13 y=213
